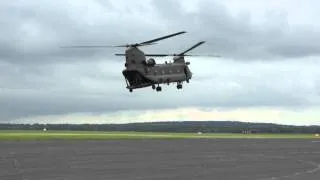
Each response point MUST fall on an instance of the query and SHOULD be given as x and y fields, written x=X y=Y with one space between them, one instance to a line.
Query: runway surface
x=221 y=159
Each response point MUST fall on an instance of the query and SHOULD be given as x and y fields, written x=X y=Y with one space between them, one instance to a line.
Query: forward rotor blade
x=146 y=44
x=194 y=46
x=161 y=38
x=127 y=45
x=91 y=46
x=150 y=42
x=120 y=54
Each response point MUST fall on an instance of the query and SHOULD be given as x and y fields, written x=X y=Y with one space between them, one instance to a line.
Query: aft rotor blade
x=158 y=55
x=161 y=38
x=202 y=55
x=194 y=46
x=164 y=55
x=154 y=55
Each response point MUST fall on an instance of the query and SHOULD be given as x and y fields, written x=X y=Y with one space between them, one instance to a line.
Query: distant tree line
x=184 y=126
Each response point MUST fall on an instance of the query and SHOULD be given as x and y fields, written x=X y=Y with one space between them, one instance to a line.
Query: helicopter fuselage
x=140 y=72
x=150 y=75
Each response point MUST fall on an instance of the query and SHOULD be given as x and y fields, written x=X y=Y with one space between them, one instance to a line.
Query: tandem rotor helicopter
x=141 y=72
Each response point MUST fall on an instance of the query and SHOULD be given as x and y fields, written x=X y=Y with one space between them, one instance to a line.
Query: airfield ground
x=136 y=156
x=99 y=135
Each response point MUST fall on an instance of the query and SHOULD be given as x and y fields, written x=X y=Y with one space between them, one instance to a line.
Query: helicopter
x=141 y=72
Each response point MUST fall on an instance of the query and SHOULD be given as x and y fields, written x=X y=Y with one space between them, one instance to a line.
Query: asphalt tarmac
x=219 y=159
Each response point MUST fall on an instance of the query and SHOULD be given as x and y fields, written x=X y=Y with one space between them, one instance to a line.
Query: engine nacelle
x=178 y=59
x=151 y=62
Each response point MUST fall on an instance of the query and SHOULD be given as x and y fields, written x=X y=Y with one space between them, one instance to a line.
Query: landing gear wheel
x=153 y=86
x=130 y=90
x=158 y=88
x=179 y=86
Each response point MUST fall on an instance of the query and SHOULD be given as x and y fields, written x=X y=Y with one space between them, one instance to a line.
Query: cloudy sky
x=268 y=72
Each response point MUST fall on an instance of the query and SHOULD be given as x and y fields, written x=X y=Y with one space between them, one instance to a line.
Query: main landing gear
x=158 y=88
x=179 y=85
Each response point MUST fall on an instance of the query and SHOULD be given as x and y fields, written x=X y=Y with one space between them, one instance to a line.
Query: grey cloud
x=238 y=37
x=63 y=77
x=234 y=85
x=35 y=34
x=50 y=103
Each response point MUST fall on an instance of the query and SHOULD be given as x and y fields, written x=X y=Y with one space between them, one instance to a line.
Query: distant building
x=246 y=131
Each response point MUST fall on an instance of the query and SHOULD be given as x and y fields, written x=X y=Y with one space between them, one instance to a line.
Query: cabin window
x=133 y=61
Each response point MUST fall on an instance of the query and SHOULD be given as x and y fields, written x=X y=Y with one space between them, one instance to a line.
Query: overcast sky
x=268 y=72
